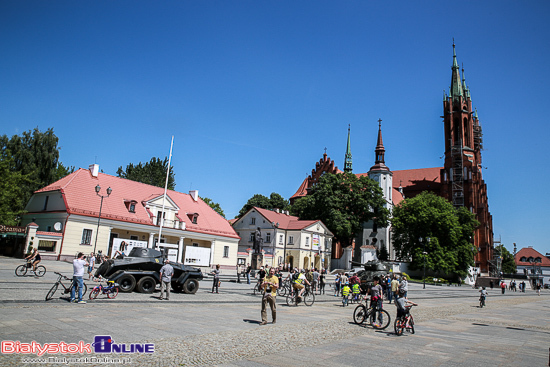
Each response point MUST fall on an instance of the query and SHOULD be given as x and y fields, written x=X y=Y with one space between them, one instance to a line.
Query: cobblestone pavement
x=222 y=329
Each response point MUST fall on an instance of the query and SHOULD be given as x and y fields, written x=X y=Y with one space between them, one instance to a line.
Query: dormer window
x=130 y=205
x=193 y=217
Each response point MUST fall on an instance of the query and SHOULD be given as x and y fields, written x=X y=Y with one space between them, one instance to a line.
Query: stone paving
x=222 y=329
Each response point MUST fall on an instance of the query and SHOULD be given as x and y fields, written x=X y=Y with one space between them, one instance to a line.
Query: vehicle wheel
x=411 y=325
x=309 y=299
x=386 y=319
x=360 y=314
x=21 y=270
x=190 y=286
x=52 y=291
x=40 y=271
x=126 y=283
x=398 y=326
x=94 y=293
x=113 y=293
x=146 y=285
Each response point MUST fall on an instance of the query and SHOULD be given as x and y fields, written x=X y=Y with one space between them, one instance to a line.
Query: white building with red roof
x=286 y=239
x=534 y=265
x=132 y=212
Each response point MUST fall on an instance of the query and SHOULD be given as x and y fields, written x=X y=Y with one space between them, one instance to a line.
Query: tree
x=275 y=201
x=450 y=230
x=151 y=173
x=343 y=202
x=214 y=206
x=508 y=261
x=29 y=162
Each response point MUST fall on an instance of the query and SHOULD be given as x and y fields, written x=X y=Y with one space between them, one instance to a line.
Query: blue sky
x=253 y=91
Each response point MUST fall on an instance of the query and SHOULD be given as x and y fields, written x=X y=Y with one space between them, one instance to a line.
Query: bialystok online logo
x=101 y=344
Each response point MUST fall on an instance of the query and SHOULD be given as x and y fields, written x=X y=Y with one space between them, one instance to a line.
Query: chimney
x=194 y=194
x=276 y=210
x=94 y=169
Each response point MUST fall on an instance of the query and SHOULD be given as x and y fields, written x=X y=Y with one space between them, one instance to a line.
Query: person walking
x=337 y=283
x=248 y=270
x=216 y=281
x=315 y=280
x=238 y=273
x=404 y=285
x=503 y=287
x=394 y=288
x=91 y=266
x=166 y=273
x=322 y=278
x=269 y=287
x=78 y=282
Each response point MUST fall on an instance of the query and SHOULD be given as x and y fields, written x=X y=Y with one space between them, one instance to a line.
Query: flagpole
x=164 y=197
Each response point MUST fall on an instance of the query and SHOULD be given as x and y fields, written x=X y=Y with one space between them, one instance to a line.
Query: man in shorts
x=298 y=284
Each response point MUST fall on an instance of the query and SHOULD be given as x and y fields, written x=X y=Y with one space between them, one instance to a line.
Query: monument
x=257 y=256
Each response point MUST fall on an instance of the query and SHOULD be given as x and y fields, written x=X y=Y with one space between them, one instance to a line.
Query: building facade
x=286 y=239
x=69 y=210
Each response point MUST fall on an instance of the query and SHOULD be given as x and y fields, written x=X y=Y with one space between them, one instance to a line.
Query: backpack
x=295 y=276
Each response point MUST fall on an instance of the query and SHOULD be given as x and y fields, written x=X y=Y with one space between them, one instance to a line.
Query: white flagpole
x=164 y=197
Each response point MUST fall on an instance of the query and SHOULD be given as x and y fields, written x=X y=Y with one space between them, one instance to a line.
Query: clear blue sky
x=253 y=91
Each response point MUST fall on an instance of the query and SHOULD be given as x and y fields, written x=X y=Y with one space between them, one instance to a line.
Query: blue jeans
x=247 y=278
x=77 y=282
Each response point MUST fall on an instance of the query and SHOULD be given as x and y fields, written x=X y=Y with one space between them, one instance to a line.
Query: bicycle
x=481 y=301
x=355 y=298
x=308 y=297
x=404 y=322
x=362 y=313
x=111 y=290
x=21 y=270
x=257 y=287
x=284 y=289
x=66 y=289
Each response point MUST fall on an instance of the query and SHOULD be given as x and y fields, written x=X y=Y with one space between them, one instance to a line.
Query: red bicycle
x=111 y=290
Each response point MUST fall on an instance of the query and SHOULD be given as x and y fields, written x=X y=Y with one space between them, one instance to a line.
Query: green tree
x=508 y=261
x=450 y=230
x=151 y=173
x=214 y=206
x=343 y=202
x=274 y=201
x=30 y=161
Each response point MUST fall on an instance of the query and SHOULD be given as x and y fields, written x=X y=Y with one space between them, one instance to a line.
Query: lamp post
x=424 y=253
x=109 y=191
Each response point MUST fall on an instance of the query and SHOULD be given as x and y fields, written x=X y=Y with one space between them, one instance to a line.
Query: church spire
x=464 y=86
x=379 y=162
x=347 y=161
x=456 y=85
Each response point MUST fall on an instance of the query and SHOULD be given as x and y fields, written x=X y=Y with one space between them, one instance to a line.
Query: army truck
x=140 y=271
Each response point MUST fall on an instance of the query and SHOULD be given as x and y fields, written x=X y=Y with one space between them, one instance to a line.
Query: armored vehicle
x=140 y=270
x=371 y=269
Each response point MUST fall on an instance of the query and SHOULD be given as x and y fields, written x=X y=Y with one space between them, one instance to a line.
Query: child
x=356 y=291
x=400 y=303
x=345 y=294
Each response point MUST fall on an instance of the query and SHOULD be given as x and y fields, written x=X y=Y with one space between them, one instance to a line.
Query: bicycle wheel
x=40 y=271
x=84 y=290
x=411 y=325
x=290 y=300
x=94 y=293
x=52 y=291
x=381 y=316
x=360 y=314
x=398 y=326
x=21 y=270
x=480 y=303
x=113 y=293
x=309 y=298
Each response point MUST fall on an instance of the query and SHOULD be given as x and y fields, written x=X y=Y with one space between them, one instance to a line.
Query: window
x=46 y=203
x=252 y=220
x=44 y=245
x=159 y=216
x=86 y=237
x=281 y=239
x=132 y=207
x=290 y=240
x=225 y=251
x=268 y=237
x=195 y=244
x=251 y=237
x=134 y=238
x=307 y=241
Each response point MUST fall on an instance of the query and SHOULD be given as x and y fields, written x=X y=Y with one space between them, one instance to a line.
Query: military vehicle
x=371 y=269
x=140 y=270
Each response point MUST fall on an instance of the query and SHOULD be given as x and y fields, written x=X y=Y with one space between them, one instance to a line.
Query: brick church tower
x=461 y=177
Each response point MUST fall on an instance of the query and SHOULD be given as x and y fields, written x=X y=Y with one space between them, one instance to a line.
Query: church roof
x=529 y=253
x=78 y=190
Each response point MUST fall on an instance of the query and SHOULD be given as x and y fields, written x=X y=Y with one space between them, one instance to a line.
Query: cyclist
x=345 y=294
x=376 y=298
x=298 y=283
x=483 y=294
x=34 y=258
x=401 y=304
x=356 y=289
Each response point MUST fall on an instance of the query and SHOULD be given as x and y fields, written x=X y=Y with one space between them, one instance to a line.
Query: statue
x=257 y=256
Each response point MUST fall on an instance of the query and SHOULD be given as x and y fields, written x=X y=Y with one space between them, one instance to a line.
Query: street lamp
x=109 y=191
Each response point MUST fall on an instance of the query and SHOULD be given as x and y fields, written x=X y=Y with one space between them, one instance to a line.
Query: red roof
x=285 y=221
x=78 y=190
x=529 y=252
